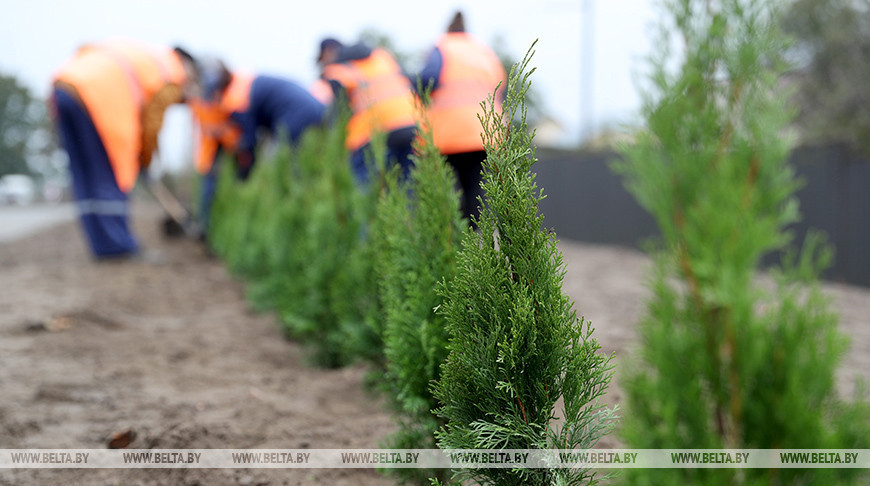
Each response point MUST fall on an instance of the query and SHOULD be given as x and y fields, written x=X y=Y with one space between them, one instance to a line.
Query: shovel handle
x=169 y=202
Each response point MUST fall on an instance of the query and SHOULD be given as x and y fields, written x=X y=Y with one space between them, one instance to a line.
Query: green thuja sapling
x=421 y=227
x=296 y=232
x=523 y=370
x=322 y=282
x=726 y=361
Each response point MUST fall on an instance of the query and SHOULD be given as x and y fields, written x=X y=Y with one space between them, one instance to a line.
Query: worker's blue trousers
x=101 y=203
x=399 y=150
x=207 y=190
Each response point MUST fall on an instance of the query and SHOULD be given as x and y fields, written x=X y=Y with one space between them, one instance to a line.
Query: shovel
x=179 y=217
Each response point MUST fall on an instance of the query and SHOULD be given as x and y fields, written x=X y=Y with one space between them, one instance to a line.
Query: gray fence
x=587 y=202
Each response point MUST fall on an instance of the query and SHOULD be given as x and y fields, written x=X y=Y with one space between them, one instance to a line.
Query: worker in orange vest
x=109 y=99
x=461 y=72
x=236 y=108
x=381 y=100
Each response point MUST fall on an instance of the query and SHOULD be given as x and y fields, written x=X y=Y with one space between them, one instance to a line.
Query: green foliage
x=516 y=345
x=727 y=362
x=296 y=231
x=22 y=117
x=420 y=228
x=536 y=109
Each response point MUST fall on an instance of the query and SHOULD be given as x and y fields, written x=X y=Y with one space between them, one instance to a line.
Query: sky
x=281 y=38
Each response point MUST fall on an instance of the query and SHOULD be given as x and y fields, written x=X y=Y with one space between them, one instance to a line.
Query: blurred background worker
x=236 y=109
x=109 y=99
x=462 y=72
x=380 y=99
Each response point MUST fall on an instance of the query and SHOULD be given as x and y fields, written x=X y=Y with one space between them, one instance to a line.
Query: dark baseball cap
x=328 y=43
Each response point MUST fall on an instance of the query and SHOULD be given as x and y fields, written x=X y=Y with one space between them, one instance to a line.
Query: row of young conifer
x=469 y=333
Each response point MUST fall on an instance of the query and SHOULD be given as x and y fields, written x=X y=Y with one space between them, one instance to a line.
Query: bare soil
x=173 y=353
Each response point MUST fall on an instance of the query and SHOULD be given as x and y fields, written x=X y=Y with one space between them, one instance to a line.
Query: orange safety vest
x=379 y=94
x=115 y=80
x=470 y=72
x=216 y=129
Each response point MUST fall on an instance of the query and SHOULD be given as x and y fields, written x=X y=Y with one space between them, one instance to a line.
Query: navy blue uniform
x=282 y=108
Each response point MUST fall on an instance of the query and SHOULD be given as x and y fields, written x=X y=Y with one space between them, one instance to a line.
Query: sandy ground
x=169 y=351
x=17 y=222
x=173 y=353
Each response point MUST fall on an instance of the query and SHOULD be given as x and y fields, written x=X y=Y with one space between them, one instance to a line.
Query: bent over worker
x=461 y=72
x=380 y=99
x=235 y=110
x=109 y=100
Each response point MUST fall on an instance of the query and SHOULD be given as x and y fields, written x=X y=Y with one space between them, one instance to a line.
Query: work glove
x=244 y=164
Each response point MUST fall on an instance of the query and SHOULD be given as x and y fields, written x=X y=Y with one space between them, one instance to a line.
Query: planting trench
x=172 y=354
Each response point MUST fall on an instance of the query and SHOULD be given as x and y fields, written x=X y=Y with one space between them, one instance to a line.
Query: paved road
x=20 y=221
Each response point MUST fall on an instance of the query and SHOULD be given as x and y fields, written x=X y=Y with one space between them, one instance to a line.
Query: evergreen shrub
x=727 y=360
x=295 y=230
x=419 y=228
x=523 y=370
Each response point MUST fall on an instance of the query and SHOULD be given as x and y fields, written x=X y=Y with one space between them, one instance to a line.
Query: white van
x=17 y=189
